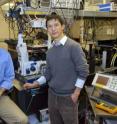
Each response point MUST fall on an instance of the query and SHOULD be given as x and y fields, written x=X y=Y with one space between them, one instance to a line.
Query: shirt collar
x=61 y=42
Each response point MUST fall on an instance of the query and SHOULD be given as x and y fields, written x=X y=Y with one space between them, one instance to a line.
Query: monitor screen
x=102 y=80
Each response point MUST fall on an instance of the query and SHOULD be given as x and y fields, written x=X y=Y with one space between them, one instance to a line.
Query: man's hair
x=56 y=17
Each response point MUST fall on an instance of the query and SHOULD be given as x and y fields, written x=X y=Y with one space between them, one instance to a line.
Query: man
x=9 y=111
x=66 y=73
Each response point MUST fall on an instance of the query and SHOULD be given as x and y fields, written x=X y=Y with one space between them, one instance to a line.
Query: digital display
x=102 y=80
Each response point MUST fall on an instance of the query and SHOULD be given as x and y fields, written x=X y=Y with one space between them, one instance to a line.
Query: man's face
x=55 y=29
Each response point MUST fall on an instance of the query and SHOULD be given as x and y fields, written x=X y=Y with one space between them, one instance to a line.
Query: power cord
x=33 y=92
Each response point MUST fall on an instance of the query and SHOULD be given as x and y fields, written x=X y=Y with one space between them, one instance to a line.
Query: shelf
x=38 y=11
x=79 y=13
x=97 y=14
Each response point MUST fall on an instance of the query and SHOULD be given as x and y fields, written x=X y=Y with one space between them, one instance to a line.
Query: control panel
x=105 y=81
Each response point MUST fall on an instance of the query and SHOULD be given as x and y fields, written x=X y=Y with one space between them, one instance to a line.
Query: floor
x=33 y=120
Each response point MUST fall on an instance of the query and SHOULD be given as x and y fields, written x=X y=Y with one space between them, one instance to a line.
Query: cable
x=114 y=58
x=30 y=103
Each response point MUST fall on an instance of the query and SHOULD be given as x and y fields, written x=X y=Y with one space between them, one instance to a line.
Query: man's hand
x=30 y=85
x=75 y=95
x=2 y=90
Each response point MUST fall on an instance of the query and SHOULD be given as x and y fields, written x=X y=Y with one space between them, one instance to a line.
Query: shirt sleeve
x=79 y=83
x=8 y=74
x=41 y=80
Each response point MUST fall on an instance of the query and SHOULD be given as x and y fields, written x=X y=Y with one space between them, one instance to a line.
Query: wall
x=4 y=28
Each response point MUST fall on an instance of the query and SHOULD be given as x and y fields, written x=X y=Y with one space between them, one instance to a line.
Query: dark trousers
x=62 y=110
